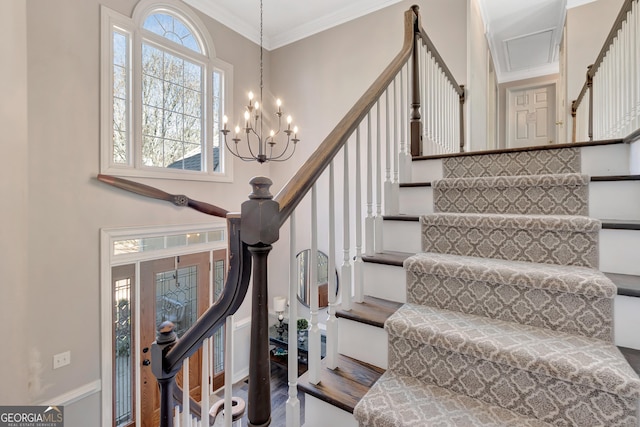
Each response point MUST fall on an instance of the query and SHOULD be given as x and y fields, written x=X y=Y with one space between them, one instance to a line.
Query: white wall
x=14 y=186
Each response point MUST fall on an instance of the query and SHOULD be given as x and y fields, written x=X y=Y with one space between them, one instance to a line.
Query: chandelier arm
x=278 y=159
x=249 y=143
x=284 y=151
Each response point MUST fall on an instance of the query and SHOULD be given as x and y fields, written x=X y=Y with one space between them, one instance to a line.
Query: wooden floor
x=279 y=396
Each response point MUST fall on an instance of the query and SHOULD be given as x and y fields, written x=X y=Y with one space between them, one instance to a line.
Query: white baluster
x=293 y=403
x=395 y=184
x=186 y=404
x=369 y=223
x=636 y=64
x=331 y=357
x=405 y=156
x=346 y=259
x=228 y=369
x=314 y=331
x=177 y=415
x=387 y=158
x=378 y=217
x=204 y=378
x=627 y=77
x=358 y=286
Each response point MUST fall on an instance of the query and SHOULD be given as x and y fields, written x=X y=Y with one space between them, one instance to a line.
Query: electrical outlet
x=61 y=359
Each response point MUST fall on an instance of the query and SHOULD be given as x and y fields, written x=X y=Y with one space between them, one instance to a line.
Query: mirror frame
x=303 y=271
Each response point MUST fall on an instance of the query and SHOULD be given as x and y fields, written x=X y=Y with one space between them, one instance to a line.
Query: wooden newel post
x=416 y=119
x=590 y=87
x=165 y=339
x=259 y=230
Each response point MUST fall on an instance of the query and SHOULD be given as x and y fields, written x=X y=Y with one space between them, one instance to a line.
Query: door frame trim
x=108 y=260
x=509 y=90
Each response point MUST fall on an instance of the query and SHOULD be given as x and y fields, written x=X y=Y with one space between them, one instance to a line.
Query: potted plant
x=302 y=325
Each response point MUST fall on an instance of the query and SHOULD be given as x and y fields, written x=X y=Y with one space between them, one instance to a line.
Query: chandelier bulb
x=250 y=96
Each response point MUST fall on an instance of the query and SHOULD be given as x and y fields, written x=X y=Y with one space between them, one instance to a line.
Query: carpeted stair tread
x=518 y=181
x=585 y=361
x=551 y=194
x=401 y=401
x=552 y=277
x=550 y=239
x=576 y=300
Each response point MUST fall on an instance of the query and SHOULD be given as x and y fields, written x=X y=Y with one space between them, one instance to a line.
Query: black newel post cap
x=258 y=214
x=166 y=333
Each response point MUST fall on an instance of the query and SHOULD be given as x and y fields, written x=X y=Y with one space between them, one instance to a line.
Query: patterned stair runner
x=508 y=321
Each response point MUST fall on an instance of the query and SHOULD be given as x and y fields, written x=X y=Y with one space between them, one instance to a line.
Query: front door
x=174 y=289
x=531 y=117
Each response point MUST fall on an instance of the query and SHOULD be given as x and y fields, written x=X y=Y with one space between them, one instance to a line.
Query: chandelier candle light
x=253 y=125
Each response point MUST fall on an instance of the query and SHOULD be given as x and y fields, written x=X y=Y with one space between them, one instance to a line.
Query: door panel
x=174 y=289
x=531 y=116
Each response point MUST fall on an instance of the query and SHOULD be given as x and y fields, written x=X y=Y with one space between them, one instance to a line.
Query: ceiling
x=523 y=35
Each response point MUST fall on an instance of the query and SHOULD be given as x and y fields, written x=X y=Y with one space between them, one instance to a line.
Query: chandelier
x=261 y=147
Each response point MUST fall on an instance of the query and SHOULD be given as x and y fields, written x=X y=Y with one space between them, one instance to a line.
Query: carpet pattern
x=560 y=194
x=507 y=320
x=537 y=162
x=577 y=300
x=565 y=240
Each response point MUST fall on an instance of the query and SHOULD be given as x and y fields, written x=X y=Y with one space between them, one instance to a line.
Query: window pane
x=120 y=92
x=173 y=29
x=172 y=112
x=123 y=393
x=217 y=115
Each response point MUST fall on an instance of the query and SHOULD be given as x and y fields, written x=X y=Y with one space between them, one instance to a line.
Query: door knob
x=146 y=362
x=560 y=123
x=146 y=349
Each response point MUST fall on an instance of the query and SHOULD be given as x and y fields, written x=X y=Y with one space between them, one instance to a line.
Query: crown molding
x=350 y=11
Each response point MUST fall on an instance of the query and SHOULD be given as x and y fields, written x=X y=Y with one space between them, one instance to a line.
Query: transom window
x=163 y=96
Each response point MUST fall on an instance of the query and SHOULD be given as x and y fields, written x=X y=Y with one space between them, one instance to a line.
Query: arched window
x=163 y=95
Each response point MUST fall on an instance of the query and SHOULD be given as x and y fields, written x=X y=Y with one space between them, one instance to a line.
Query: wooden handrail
x=298 y=186
x=436 y=56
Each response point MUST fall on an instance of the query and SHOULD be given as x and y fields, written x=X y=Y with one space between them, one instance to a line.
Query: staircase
x=487 y=307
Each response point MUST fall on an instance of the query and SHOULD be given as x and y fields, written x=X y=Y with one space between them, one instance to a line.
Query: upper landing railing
x=612 y=87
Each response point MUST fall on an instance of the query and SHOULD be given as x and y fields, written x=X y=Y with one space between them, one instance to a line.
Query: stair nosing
x=522 y=149
x=361 y=316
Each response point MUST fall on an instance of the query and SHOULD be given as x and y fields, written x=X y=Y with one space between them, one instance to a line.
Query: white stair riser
x=626 y=318
x=614 y=199
x=363 y=342
x=426 y=170
x=385 y=281
x=607 y=200
x=416 y=200
x=401 y=236
x=618 y=248
x=318 y=413
x=619 y=251
x=602 y=160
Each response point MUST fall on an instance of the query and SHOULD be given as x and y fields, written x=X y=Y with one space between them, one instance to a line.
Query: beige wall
x=14 y=186
x=587 y=28
x=322 y=76
x=477 y=88
x=55 y=265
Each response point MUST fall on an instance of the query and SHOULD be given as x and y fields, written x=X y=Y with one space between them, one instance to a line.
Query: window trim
x=132 y=28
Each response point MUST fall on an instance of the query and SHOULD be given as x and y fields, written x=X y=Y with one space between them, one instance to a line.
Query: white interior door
x=531 y=116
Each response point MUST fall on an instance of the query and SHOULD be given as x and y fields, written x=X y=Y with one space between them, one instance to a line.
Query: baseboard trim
x=74 y=395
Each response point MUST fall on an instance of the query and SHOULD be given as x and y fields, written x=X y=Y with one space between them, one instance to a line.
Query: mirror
x=303 y=260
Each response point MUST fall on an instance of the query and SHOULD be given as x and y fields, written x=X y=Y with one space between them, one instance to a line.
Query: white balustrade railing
x=609 y=103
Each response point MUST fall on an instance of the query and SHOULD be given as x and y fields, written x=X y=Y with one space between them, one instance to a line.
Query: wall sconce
x=279 y=305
